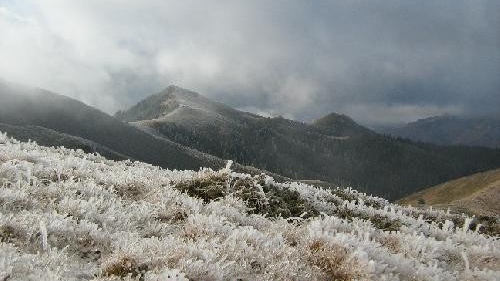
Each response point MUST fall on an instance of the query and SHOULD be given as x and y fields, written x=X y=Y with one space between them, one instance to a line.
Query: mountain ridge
x=173 y=98
x=26 y=112
x=333 y=149
x=451 y=130
x=340 y=124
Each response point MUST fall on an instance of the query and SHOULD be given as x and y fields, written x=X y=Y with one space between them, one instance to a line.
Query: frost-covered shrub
x=67 y=215
x=334 y=260
x=123 y=266
x=260 y=197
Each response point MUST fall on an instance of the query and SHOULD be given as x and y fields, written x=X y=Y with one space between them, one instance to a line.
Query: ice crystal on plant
x=67 y=215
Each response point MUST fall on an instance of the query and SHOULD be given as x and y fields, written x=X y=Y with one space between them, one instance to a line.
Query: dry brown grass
x=131 y=191
x=391 y=242
x=16 y=204
x=174 y=216
x=3 y=158
x=454 y=190
x=335 y=261
x=10 y=234
x=123 y=267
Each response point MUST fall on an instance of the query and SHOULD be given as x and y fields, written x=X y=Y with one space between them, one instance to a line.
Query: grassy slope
x=477 y=194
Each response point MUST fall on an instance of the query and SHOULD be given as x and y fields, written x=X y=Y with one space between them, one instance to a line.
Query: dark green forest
x=382 y=165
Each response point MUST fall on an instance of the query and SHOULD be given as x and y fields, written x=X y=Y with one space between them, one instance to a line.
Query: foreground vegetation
x=67 y=215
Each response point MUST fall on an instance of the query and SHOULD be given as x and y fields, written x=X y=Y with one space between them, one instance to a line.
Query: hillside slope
x=449 y=130
x=67 y=215
x=341 y=126
x=54 y=120
x=333 y=149
x=476 y=194
x=48 y=137
x=24 y=106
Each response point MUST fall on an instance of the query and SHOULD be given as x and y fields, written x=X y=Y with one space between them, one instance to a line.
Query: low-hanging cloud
x=378 y=61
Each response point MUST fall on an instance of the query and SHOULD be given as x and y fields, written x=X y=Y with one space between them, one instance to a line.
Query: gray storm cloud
x=378 y=61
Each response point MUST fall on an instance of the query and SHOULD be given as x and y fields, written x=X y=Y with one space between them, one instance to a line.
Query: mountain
x=341 y=125
x=333 y=149
x=67 y=215
x=55 y=120
x=477 y=194
x=450 y=130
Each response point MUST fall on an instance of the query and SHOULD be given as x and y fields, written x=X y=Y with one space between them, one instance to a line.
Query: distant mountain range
x=450 y=130
x=333 y=148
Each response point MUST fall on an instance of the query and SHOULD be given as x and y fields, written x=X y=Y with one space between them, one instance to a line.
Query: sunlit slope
x=477 y=194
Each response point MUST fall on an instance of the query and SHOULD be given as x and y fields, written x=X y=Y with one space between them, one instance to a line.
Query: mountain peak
x=175 y=89
x=172 y=88
x=340 y=125
x=153 y=106
x=172 y=99
x=333 y=118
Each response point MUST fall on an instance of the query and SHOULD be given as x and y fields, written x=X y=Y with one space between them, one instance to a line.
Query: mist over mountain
x=51 y=119
x=377 y=62
x=451 y=130
x=333 y=148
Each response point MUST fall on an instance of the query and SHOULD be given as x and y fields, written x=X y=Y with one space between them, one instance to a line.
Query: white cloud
x=293 y=58
x=377 y=114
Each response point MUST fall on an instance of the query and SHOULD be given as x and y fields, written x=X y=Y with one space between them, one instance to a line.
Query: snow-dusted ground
x=67 y=215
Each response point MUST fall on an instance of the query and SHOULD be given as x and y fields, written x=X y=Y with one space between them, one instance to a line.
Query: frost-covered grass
x=67 y=215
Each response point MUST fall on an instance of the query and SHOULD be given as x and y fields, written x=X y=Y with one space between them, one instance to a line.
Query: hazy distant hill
x=475 y=194
x=451 y=130
x=52 y=119
x=48 y=137
x=333 y=148
x=341 y=126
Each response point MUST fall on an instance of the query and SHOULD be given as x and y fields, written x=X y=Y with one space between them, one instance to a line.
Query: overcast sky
x=377 y=61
